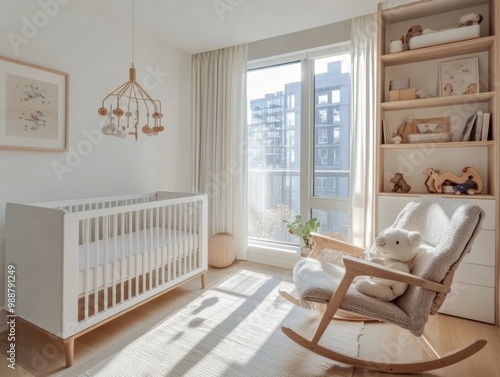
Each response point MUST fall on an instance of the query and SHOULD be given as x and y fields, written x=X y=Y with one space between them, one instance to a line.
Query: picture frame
x=459 y=77
x=433 y=125
x=34 y=103
x=431 y=130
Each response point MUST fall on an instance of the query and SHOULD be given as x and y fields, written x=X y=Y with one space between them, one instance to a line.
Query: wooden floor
x=39 y=355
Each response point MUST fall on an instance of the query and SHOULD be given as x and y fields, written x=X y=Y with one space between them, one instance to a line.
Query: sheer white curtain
x=364 y=86
x=219 y=116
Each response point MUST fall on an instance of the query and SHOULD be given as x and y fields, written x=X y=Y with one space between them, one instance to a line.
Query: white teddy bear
x=470 y=19
x=397 y=249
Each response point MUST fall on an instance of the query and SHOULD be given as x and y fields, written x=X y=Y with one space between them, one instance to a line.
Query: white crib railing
x=80 y=262
x=135 y=251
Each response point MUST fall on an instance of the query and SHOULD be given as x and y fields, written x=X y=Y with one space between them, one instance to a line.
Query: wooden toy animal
x=435 y=181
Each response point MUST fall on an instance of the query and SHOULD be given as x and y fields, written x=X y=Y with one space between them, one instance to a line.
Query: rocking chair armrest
x=325 y=242
x=360 y=267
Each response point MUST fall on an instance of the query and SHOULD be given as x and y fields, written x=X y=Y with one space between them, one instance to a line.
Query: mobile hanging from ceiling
x=127 y=105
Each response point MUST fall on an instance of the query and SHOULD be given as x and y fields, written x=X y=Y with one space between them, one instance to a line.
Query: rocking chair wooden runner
x=448 y=226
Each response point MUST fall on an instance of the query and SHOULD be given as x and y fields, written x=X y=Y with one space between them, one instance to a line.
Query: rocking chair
x=448 y=226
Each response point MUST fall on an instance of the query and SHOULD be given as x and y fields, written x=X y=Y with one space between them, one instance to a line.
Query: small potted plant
x=303 y=230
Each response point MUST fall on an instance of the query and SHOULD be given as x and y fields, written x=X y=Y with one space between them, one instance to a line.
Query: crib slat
x=150 y=249
x=163 y=249
x=180 y=241
x=178 y=227
x=137 y=228
x=149 y=241
x=114 y=279
x=197 y=234
x=87 y=268
x=144 y=254
x=130 y=247
x=157 y=263
x=194 y=233
x=122 y=259
x=105 y=240
x=190 y=236
x=176 y=250
x=184 y=243
x=187 y=235
x=182 y=254
x=96 y=265
x=199 y=228
x=169 y=247
x=185 y=246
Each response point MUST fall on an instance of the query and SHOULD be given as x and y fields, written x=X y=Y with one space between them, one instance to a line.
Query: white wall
x=96 y=51
x=300 y=41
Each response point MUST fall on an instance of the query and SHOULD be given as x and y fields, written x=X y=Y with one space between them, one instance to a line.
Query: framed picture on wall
x=459 y=77
x=33 y=107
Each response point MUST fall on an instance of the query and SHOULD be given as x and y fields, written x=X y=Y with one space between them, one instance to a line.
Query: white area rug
x=234 y=330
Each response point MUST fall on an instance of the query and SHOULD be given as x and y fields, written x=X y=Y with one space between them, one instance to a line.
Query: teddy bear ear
x=415 y=238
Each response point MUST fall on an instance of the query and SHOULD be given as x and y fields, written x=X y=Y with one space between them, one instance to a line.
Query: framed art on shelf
x=33 y=107
x=459 y=77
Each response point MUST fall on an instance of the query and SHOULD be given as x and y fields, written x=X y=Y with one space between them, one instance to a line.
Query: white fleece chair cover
x=448 y=226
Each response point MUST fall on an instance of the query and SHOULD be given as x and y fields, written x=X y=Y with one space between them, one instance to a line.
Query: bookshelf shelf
x=437 y=101
x=470 y=46
x=459 y=144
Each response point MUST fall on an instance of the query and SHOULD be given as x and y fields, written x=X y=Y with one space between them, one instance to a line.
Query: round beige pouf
x=221 y=250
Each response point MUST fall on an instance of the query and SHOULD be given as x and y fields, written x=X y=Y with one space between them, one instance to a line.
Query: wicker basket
x=221 y=250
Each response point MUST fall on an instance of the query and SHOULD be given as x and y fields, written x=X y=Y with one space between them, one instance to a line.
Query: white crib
x=80 y=263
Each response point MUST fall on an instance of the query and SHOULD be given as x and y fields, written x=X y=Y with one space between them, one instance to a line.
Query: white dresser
x=473 y=288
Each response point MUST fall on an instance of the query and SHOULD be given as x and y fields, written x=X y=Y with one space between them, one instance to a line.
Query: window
x=336 y=135
x=290 y=138
x=278 y=182
x=335 y=95
x=322 y=156
x=336 y=157
x=336 y=114
x=321 y=183
x=323 y=116
x=322 y=136
x=322 y=98
x=274 y=186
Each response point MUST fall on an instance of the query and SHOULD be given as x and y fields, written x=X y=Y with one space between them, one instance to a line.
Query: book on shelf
x=469 y=124
x=486 y=127
x=386 y=132
x=478 y=127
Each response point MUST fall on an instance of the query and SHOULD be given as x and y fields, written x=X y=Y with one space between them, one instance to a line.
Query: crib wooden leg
x=203 y=280
x=70 y=352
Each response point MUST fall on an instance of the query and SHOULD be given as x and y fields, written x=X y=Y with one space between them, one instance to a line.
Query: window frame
x=274 y=252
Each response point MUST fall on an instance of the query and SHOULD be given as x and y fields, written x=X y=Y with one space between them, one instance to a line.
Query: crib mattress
x=133 y=254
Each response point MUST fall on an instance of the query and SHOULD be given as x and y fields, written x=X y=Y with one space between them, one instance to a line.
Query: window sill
x=279 y=256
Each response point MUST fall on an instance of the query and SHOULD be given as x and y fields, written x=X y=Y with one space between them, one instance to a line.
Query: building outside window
x=276 y=178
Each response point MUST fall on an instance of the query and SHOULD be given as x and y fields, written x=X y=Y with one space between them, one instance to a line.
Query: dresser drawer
x=475 y=274
x=483 y=249
x=488 y=206
x=390 y=206
x=470 y=301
